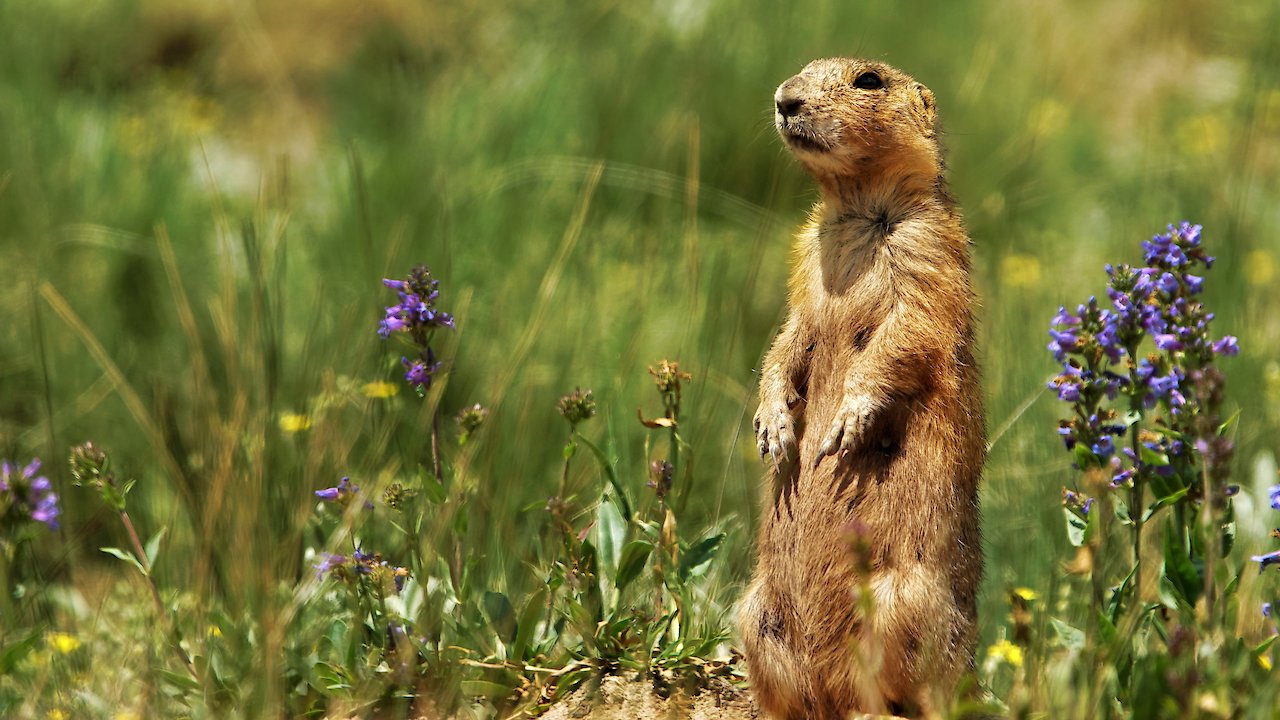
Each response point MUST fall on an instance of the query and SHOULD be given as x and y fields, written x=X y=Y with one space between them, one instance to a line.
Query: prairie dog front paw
x=775 y=430
x=851 y=422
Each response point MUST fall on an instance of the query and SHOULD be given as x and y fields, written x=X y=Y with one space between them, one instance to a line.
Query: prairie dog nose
x=788 y=98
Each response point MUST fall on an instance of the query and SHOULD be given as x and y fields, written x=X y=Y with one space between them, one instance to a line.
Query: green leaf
x=485 y=689
x=1076 y=527
x=1151 y=457
x=502 y=617
x=1106 y=629
x=433 y=491
x=1170 y=499
x=153 y=546
x=1179 y=569
x=634 y=557
x=1234 y=585
x=1226 y=424
x=1070 y=637
x=181 y=681
x=126 y=556
x=14 y=653
x=611 y=475
x=699 y=555
x=611 y=533
x=1117 y=598
x=528 y=624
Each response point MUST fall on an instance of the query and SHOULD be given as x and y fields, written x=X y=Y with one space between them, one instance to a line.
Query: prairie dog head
x=845 y=117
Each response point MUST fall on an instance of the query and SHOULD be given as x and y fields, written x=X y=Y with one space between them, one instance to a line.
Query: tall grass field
x=199 y=206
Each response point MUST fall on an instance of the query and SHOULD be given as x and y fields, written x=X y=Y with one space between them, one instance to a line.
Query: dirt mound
x=619 y=698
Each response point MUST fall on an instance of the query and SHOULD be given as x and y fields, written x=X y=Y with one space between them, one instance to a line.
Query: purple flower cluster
x=361 y=564
x=1101 y=351
x=416 y=316
x=28 y=494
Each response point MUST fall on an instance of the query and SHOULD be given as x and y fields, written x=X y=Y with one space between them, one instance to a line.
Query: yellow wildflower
x=294 y=422
x=1019 y=270
x=214 y=631
x=1259 y=267
x=58 y=714
x=126 y=715
x=1026 y=594
x=1006 y=651
x=1265 y=662
x=64 y=643
x=380 y=389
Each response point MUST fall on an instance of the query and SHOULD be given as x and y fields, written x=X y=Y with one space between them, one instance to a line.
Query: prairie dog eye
x=868 y=81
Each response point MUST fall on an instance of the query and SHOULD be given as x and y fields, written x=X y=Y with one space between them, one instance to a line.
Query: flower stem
x=161 y=612
x=1135 y=514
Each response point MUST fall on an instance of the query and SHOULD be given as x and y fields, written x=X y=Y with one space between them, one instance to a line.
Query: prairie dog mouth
x=798 y=136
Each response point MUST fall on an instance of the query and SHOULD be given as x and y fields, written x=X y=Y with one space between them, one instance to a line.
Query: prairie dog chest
x=847 y=284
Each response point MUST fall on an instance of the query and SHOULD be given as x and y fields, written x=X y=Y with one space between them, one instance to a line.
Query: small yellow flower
x=1259 y=267
x=126 y=715
x=58 y=714
x=1006 y=651
x=1265 y=662
x=294 y=422
x=380 y=389
x=214 y=631
x=1019 y=270
x=64 y=643
x=1026 y=594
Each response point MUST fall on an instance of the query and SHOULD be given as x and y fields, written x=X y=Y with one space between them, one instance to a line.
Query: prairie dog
x=870 y=420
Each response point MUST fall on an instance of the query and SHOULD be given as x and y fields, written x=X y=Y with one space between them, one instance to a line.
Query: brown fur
x=870 y=417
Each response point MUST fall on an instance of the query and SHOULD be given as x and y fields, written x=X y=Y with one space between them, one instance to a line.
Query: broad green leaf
x=484 y=688
x=634 y=557
x=1068 y=636
x=1179 y=569
x=611 y=533
x=181 y=681
x=126 y=556
x=153 y=546
x=502 y=617
x=1076 y=527
x=699 y=555
x=1166 y=501
x=528 y=624
x=1151 y=457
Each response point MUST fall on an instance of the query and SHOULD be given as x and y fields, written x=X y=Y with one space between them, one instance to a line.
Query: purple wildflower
x=1274 y=492
x=342 y=493
x=1271 y=558
x=329 y=563
x=30 y=495
x=1226 y=346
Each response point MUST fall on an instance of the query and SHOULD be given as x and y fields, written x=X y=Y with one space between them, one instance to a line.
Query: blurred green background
x=598 y=186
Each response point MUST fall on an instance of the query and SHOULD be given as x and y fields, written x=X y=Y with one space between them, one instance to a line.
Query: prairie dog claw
x=775 y=432
x=850 y=424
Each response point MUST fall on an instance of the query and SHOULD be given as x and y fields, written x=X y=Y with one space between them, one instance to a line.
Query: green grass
x=598 y=186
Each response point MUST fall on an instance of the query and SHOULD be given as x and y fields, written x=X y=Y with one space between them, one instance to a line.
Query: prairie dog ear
x=924 y=103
